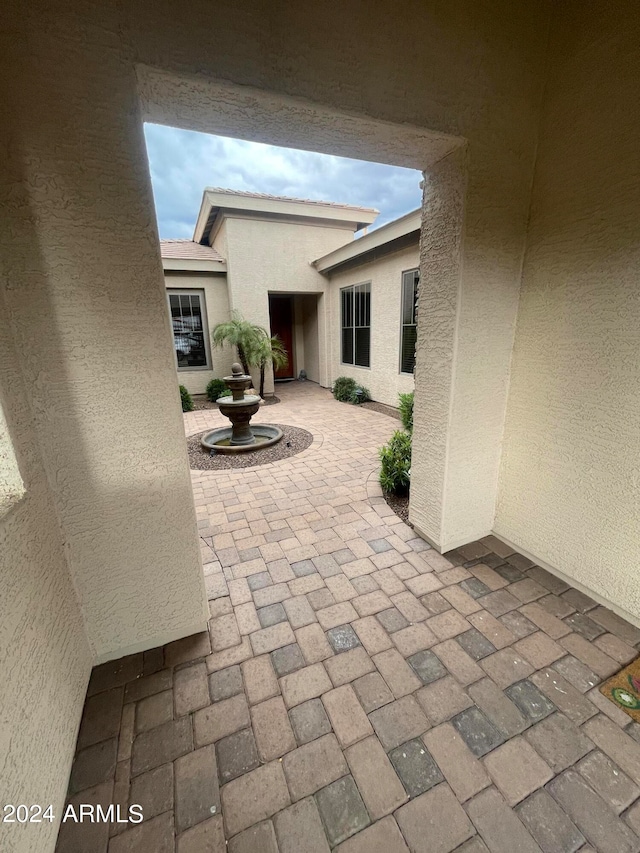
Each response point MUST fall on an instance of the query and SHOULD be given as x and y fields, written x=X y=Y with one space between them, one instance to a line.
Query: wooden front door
x=281 y=317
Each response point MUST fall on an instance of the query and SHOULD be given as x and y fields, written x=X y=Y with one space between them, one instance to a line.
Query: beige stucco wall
x=298 y=337
x=570 y=474
x=306 y=341
x=383 y=377
x=312 y=307
x=85 y=307
x=216 y=298
x=11 y=484
x=45 y=657
x=90 y=321
x=219 y=241
x=266 y=256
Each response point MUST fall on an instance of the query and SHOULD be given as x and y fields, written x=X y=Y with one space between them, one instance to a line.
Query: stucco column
x=470 y=278
x=438 y=303
x=86 y=302
x=323 y=307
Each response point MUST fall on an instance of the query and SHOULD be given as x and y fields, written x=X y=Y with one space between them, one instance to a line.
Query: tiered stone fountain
x=240 y=437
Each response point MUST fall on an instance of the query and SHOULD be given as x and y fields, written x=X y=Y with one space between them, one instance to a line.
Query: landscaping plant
x=217 y=388
x=254 y=346
x=344 y=388
x=186 y=400
x=242 y=335
x=360 y=395
x=406 y=410
x=264 y=350
x=396 y=464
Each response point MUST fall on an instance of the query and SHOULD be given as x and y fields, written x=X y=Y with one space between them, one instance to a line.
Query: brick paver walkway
x=356 y=690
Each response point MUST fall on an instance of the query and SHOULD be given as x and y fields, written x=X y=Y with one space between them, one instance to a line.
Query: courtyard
x=357 y=690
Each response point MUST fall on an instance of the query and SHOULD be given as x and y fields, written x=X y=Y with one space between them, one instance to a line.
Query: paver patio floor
x=356 y=690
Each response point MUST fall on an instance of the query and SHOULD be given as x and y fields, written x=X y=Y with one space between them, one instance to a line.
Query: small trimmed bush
x=360 y=395
x=186 y=399
x=344 y=388
x=406 y=410
x=216 y=388
x=347 y=390
x=395 y=473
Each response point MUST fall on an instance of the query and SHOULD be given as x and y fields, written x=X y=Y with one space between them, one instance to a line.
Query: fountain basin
x=264 y=435
x=240 y=413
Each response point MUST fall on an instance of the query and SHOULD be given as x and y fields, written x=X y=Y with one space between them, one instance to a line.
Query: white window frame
x=415 y=281
x=353 y=288
x=200 y=293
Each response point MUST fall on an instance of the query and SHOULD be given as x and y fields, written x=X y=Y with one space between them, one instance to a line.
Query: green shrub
x=406 y=410
x=347 y=390
x=186 y=400
x=344 y=388
x=360 y=395
x=217 y=388
x=396 y=464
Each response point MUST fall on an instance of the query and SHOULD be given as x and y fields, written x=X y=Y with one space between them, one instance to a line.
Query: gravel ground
x=382 y=408
x=400 y=505
x=200 y=401
x=294 y=440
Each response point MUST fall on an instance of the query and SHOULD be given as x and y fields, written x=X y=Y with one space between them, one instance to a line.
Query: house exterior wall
x=261 y=260
x=298 y=338
x=216 y=300
x=306 y=342
x=383 y=377
x=311 y=309
x=570 y=478
x=88 y=308
x=219 y=241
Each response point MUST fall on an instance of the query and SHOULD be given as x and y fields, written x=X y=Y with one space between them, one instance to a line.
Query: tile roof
x=188 y=250
x=269 y=197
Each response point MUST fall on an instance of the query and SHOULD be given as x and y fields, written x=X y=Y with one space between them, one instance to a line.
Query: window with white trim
x=190 y=329
x=356 y=324
x=408 y=334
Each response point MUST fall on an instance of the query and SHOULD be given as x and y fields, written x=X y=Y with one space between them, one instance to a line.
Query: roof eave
x=354 y=218
x=201 y=221
x=388 y=233
x=193 y=265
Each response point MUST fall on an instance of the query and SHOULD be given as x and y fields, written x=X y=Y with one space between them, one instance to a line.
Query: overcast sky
x=183 y=163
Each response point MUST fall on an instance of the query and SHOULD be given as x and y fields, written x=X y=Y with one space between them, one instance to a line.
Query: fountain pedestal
x=240 y=413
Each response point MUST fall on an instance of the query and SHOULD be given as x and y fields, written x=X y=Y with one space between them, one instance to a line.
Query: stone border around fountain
x=209 y=439
x=295 y=440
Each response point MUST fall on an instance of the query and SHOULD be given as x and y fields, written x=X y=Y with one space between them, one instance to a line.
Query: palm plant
x=242 y=335
x=265 y=350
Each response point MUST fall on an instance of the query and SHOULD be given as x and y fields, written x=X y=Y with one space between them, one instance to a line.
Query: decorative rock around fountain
x=240 y=437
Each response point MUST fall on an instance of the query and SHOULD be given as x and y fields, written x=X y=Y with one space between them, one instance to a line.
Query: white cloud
x=183 y=163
